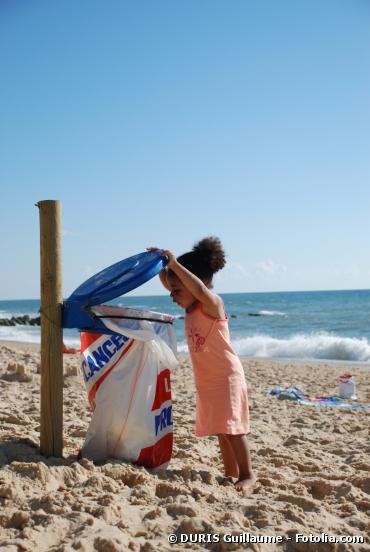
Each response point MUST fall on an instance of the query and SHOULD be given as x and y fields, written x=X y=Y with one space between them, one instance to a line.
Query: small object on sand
x=347 y=387
x=70 y=350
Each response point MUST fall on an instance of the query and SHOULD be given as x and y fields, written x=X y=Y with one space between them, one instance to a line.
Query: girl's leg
x=240 y=447
x=230 y=465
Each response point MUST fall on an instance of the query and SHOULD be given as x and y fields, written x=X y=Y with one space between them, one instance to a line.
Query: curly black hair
x=206 y=258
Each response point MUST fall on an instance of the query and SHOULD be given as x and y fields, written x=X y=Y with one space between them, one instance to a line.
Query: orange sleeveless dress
x=221 y=389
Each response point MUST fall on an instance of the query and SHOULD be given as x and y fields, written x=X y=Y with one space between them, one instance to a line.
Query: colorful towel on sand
x=295 y=394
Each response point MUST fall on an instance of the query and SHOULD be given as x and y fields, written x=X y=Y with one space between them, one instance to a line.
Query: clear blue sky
x=161 y=122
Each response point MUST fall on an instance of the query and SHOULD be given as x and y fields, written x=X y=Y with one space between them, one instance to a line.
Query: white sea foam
x=322 y=345
x=28 y=334
x=271 y=313
x=315 y=346
x=11 y=313
x=182 y=348
x=308 y=346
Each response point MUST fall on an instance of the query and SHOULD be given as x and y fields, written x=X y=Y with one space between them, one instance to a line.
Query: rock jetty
x=24 y=320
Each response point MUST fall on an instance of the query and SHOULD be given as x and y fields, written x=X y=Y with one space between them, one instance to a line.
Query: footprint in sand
x=362 y=483
x=176 y=510
x=307 y=467
x=164 y=490
x=154 y=514
x=195 y=525
x=293 y=515
x=320 y=488
x=16 y=420
x=364 y=505
x=305 y=503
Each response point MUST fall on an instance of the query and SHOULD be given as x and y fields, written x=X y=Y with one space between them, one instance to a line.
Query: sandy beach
x=313 y=468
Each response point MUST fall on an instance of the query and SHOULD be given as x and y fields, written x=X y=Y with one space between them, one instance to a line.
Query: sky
x=157 y=123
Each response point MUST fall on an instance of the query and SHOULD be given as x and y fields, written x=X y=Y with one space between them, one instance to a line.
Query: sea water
x=332 y=325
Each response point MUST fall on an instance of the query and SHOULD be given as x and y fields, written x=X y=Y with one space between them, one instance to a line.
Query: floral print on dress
x=195 y=341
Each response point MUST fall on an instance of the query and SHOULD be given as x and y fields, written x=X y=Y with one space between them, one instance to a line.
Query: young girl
x=221 y=399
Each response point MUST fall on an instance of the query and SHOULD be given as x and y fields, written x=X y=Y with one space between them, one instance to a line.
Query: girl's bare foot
x=246 y=478
x=246 y=484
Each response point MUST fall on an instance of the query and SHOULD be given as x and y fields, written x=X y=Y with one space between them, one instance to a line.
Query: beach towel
x=295 y=394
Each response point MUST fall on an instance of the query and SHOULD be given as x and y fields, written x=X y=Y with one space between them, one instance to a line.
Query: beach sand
x=313 y=468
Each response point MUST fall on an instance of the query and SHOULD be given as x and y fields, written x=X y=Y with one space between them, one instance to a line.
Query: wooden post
x=51 y=422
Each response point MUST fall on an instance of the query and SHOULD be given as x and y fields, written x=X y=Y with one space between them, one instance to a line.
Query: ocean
x=332 y=325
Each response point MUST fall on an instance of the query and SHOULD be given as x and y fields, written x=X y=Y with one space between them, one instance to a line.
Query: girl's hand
x=165 y=253
x=170 y=256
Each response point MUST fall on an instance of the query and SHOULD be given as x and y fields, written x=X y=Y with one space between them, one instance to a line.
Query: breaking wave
x=271 y=313
x=309 y=346
x=321 y=346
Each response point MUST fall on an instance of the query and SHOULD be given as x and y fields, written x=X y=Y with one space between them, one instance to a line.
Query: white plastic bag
x=127 y=377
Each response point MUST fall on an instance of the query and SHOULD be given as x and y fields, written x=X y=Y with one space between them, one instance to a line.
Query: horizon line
x=220 y=293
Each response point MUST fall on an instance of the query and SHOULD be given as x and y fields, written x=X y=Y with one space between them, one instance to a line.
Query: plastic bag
x=127 y=377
